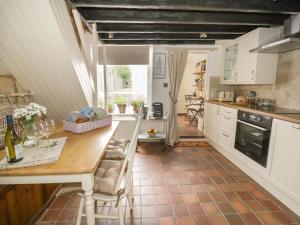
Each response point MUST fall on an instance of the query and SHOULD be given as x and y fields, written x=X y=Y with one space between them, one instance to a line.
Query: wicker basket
x=79 y=128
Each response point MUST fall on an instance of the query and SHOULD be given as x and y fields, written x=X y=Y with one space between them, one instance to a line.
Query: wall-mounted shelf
x=201 y=72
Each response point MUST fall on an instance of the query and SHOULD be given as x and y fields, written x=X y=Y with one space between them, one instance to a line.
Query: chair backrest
x=128 y=160
x=188 y=97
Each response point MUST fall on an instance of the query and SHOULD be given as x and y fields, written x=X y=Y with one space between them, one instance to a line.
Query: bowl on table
x=152 y=133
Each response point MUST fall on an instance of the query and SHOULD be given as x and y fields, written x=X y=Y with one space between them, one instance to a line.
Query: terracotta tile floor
x=187 y=130
x=187 y=186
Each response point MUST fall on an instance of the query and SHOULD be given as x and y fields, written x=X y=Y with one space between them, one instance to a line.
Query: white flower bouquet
x=29 y=113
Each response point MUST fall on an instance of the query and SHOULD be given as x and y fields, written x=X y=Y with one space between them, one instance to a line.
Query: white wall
x=39 y=47
x=159 y=93
x=3 y=68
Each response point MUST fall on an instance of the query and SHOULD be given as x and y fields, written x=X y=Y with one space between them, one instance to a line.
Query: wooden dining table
x=78 y=161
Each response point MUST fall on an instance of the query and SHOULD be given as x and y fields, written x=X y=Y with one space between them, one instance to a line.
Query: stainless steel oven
x=253 y=136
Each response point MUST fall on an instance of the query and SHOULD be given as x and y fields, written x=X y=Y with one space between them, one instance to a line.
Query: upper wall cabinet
x=244 y=67
x=230 y=63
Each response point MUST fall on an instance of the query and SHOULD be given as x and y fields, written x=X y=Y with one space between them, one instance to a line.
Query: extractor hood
x=290 y=40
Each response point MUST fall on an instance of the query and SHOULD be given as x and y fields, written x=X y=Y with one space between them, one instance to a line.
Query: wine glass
x=39 y=132
x=48 y=128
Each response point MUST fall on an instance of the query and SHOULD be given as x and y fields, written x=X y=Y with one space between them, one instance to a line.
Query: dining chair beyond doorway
x=195 y=110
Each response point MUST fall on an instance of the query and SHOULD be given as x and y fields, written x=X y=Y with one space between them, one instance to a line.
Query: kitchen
x=259 y=131
x=78 y=63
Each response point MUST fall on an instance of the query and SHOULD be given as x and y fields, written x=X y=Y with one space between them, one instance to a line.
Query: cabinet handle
x=225 y=135
x=226 y=118
x=252 y=74
x=296 y=127
x=229 y=112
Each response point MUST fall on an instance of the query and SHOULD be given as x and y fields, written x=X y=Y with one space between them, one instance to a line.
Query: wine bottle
x=13 y=143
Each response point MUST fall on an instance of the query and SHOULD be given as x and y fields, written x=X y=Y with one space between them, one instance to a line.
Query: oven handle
x=252 y=125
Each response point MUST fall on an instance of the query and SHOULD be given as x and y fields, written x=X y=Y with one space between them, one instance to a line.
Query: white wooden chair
x=117 y=148
x=113 y=181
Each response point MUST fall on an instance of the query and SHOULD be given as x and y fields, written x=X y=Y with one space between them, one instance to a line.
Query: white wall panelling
x=39 y=47
x=3 y=68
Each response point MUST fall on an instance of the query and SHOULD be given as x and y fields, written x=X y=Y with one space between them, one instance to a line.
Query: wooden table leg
x=87 y=186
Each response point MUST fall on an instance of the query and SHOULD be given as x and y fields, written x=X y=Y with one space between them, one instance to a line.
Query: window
x=122 y=77
x=126 y=84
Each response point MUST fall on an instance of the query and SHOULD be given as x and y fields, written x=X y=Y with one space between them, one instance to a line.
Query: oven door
x=252 y=141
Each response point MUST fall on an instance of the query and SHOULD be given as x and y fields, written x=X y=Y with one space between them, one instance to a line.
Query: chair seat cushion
x=116 y=149
x=194 y=107
x=106 y=176
x=117 y=153
x=118 y=143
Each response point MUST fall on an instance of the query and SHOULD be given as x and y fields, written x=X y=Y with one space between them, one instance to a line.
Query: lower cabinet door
x=225 y=140
x=226 y=132
x=211 y=122
x=285 y=167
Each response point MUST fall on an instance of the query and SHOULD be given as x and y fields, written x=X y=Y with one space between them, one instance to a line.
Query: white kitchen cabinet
x=252 y=67
x=219 y=125
x=285 y=161
x=230 y=60
x=227 y=125
x=211 y=121
x=282 y=175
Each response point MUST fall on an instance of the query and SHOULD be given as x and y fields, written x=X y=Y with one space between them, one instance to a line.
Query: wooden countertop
x=293 y=118
x=81 y=154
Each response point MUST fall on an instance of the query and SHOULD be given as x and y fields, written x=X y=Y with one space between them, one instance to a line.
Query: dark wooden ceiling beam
x=173 y=28
x=159 y=42
x=159 y=36
x=261 y=6
x=179 y=17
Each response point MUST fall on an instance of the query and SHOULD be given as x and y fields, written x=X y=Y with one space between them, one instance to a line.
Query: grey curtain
x=176 y=64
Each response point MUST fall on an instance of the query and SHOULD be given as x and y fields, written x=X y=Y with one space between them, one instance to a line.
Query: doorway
x=190 y=106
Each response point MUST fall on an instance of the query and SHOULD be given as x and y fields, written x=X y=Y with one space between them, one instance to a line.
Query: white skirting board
x=266 y=182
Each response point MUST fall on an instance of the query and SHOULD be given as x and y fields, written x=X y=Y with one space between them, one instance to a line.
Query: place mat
x=38 y=155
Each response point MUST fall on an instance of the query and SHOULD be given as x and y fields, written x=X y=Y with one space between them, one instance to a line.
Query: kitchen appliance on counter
x=253 y=133
x=263 y=104
x=226 y=96
x=241 y=100
x=267 y=105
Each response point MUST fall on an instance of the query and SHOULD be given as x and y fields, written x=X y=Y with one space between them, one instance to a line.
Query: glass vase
x=29 y=135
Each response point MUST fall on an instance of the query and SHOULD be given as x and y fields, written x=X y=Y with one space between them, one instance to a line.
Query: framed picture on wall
x=159 y=66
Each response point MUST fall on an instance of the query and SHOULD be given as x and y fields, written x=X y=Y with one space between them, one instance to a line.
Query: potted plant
x=137 y=103
x=121 y=103
x=110 y=107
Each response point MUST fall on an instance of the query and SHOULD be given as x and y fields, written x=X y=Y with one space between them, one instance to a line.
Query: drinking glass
x=48 y=128
x=31 y=134
x=39 y=132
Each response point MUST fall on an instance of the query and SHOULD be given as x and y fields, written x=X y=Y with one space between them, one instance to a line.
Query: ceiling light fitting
x=203 y=35
x=110 y=35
